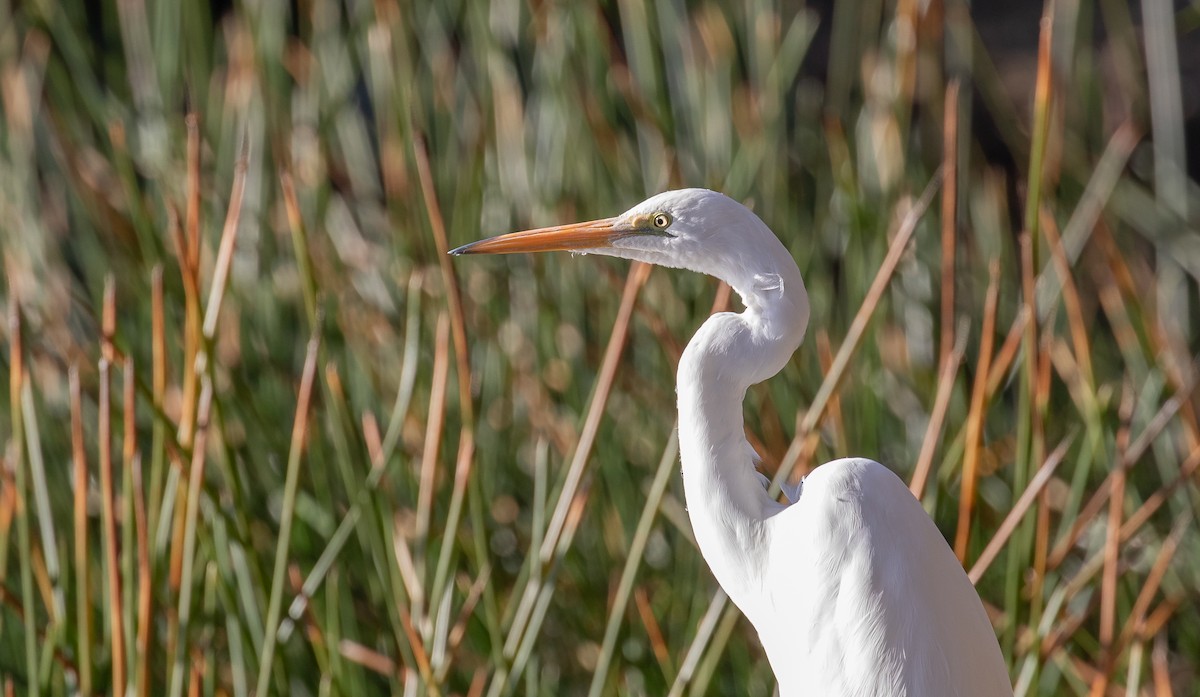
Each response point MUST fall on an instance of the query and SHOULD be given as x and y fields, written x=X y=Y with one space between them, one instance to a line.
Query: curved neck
x=726 y=498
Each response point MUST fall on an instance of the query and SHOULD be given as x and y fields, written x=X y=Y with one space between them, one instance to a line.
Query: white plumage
x=852 y=588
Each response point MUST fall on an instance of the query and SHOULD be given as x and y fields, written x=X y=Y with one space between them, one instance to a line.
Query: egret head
x=694 y=229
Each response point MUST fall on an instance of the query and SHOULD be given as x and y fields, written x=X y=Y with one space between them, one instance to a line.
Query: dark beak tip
x=459 y=251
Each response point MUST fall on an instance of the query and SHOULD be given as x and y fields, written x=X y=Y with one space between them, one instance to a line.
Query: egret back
x=864 y=597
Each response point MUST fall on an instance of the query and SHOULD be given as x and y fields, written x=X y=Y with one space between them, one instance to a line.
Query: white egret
x=852 y=588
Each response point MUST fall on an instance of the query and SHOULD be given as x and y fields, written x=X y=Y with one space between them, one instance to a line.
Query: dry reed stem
x=1137 y=614
x=1112 y=551
x=108 y=494
x=41 y=576
x=158 y=348
x=187 y=249
x=1040 y=549
x=370 y=429
x=1071 y=375
x=834 y=411
x=657 y=326
x=1043 y=94
x=7 y=597
x=433 y=437
x=158 y=369
x=1161 y=614
x=186 y=240
x=478 y=683
x=108 y=320
x=184 y=539
x=1042 y=521
x=405 y=564
x=1085 y=220
x=129 y=414
x=1157 y=423
x=816 y=410
x=453 y=292
x=721 y=298
x=197 y=675
x=1156 y=500
x=638 y=274
x=8 y=500
x=130 y=531
x=312 y=632
x=975 y=416
x=1091 y=566
x=923 y=470
x=83 y=591
x=144 y=599
x=1063 y=629
x=1160 y=666
x=1121 y=281
x=191 y=257
x=225 y=249
x=466 y=444
x=300 y=244
x=949 y=219
x=1004 y=358
x=458 y=631
x=47 y=566
x=366 y=657
x=1075 y=321
x=653 y=632
x=1009 y=525
x=185 y=542
x=1128 y=459
x=1090 y=674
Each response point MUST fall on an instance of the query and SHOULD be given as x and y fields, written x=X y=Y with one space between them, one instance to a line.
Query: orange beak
x=593 y=234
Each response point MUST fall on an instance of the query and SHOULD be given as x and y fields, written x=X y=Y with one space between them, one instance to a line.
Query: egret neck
x=726 y=498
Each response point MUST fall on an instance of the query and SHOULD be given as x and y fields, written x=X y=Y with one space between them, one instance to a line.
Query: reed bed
x=263 y=436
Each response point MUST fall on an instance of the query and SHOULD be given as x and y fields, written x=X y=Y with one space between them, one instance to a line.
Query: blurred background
x=263 y=436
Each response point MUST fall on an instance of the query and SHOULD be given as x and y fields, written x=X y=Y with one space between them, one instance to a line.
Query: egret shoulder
x=886 y=607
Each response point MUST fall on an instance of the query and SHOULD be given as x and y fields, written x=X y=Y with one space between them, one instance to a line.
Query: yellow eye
x=661 y=220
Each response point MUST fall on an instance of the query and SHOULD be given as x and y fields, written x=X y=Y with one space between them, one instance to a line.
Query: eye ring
x=661 y=220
